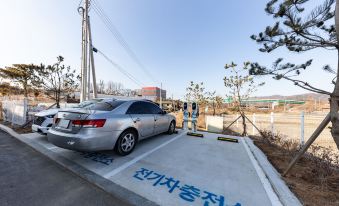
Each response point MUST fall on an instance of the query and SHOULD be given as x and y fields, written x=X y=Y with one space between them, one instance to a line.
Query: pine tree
x=26 y=75
x=300 y=28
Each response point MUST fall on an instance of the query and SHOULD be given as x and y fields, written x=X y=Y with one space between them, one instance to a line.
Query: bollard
x=302 y=127
x=272 y=123
x=253 y=120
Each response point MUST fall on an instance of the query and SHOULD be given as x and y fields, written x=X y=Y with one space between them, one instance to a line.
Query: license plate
x=34 y=128
x=63 y=123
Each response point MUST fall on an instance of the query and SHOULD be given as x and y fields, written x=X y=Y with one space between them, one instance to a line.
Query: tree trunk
x=56 y=99
x=334 y=100
x=244 y=132
x=25 y=90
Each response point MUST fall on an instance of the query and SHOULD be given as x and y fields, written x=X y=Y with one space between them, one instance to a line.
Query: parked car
x=110 y=124
x=43 y=120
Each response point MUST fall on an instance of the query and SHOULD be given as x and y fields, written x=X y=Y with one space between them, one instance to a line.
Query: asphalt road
x=29 y=178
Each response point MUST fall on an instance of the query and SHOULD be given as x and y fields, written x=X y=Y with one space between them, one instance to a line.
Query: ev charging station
x=195 y=115
x=194 y=121
x=186 y=116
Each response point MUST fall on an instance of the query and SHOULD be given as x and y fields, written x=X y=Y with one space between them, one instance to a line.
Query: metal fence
x=293 y=126
x=14 y=111
x=19 y=110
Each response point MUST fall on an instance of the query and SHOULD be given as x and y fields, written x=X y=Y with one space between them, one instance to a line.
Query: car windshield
x=105 y=106
x=87 y=103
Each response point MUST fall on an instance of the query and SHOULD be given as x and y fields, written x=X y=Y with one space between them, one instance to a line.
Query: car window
x=88 y=103
x=84 y=104
x=105 y=106
x=154 y=108
x=139 y=108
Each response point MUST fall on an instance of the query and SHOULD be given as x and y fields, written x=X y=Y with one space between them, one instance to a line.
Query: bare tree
x=240 y=86
x=109 y=87
x=196 y=92
x=58 y=80
x=101 y=86
x=211 y=97
x=219 y=101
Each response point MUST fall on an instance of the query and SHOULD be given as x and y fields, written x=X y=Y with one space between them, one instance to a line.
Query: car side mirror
x=163 y=112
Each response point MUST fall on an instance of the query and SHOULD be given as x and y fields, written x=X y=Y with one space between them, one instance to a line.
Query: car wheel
x=126 y=142
x=171 y=128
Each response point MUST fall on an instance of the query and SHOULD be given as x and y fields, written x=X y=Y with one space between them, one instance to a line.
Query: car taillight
x=55 y=119
x=89 y=123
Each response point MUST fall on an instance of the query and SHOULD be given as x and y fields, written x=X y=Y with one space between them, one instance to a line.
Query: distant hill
x=300 y=97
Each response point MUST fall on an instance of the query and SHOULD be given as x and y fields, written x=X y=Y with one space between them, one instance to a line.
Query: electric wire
x=121 y=69
x=80 y=2
x=117 y=35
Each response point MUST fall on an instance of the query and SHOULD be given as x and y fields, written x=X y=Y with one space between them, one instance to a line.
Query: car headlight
x=50 y=116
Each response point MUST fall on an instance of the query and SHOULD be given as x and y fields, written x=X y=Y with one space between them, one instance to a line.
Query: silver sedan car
x=110 y=124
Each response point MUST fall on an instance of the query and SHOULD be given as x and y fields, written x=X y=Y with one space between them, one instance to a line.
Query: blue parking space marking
x=97 y=157
x=186 y=192
x=141 y=156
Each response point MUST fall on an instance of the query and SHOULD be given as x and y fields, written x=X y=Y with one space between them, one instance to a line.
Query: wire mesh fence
x=14 y=111
x=293 y=126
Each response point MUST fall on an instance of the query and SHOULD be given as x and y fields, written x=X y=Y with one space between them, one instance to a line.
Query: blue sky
x=178 y=41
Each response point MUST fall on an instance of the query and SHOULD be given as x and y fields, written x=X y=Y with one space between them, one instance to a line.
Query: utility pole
x=161 y=95
x=173 y=107
x=88 y=75
x=81 y=10
x=87 y=59
x=95 y=95
x=83 y=90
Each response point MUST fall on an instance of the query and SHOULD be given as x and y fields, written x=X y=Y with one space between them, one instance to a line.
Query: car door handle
x=137 y=120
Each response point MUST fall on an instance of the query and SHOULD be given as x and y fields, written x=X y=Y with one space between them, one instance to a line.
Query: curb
x=284 y=194
x=121 y=194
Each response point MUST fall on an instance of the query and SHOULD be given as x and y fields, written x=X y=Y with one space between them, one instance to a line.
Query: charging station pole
x=185 y=116
x=195 y=115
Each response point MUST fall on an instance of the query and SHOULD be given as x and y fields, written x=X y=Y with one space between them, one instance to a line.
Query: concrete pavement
x=29 y=178
x=179 y=170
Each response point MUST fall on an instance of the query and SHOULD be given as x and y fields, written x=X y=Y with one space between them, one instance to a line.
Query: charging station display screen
x=194 y=106
x=185 y=106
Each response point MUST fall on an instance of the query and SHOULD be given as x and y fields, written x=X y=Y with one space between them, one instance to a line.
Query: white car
x=44 y=120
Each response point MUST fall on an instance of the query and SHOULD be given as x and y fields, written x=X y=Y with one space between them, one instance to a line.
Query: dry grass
x=179 y=118
x=314 y=179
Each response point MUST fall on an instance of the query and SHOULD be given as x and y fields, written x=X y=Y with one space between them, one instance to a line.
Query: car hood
x=47 y=112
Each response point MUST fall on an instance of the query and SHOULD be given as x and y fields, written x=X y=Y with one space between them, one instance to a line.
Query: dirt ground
x=314 y=181
x=18 y=129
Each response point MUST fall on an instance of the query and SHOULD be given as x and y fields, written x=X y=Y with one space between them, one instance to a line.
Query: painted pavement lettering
x=97 y=157
x=186 y=192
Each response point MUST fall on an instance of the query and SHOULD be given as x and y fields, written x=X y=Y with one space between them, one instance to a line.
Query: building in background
x=137 y=92
x=153 y=93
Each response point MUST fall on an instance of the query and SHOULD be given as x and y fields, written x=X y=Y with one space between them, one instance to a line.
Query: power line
x=80 y=2
x=117 y=35
x=122 y=70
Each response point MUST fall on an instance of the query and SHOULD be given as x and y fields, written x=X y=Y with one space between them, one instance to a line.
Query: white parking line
x=53 y=147
x=133 y=161
x=263 y=179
